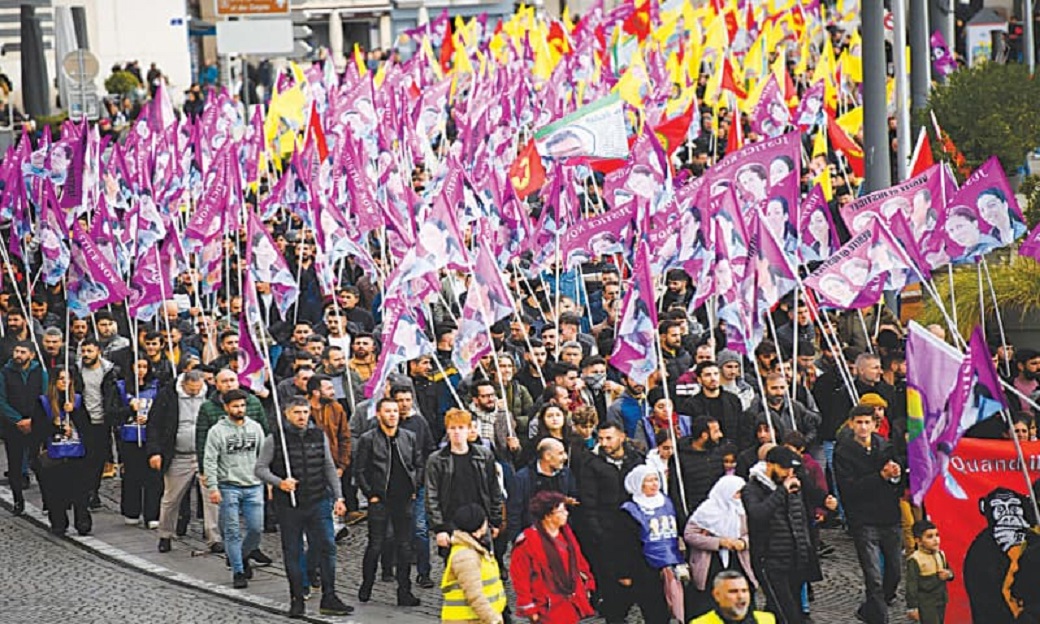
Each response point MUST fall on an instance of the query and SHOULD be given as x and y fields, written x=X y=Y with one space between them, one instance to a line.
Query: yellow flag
x=852 y=121
x=824 y=180
x=359 y=61
x=819 y=146
x=851 y=66
x=802 y=66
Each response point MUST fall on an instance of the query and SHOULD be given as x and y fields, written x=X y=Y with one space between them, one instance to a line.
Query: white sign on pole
x=262 y=36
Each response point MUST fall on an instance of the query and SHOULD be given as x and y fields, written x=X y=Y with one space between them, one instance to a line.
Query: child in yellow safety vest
x=472 y=587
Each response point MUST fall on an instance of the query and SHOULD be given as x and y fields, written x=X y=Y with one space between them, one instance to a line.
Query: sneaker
x=364 y=594
x=164 y=544
x=388 y=577
x=18 y=508
x=217 y=548
x=95 y=502
x=260 y=559
x=182 y=526
x=407 y=600
x=354 y=517
x=239 y=581
x=131 y=521
x=247 y=570
x=297 y=608
x=424 y=581
x=332 y=605
x=307 y=593
x=153 y=524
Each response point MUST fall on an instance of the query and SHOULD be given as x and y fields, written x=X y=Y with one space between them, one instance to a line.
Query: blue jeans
x=828 y=453
x=422 y=535
x=877 y=548
x=247 y=502
x=323 y=511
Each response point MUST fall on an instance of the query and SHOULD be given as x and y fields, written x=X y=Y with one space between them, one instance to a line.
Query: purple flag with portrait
x=920 y=199
x=810 y=113
x=932 y=368
x=51 y=232
x=981 y=216
x=487 y=302
x=268 y=265
x=404 y=341
x=93 y=283
x=771 y=116
x=208 y=220
x=150 y=284
x=754 y=170
x=818 y=239
x=635 y=350
x=943 y=61
x=597 y=235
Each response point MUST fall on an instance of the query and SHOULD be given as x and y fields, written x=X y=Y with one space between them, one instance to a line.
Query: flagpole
x=671 y=429
x=982 y=304
x=1000 y=322
x=266 y=357
x=166 y=319
x=18 y=296
x=527 y=338
x=776 y=342
x=440 y=367
x=863 y=324
x=1018 y=446
x=530 y=289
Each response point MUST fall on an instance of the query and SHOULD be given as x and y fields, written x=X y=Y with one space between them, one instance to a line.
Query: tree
x=121 y=83
x=988 y=110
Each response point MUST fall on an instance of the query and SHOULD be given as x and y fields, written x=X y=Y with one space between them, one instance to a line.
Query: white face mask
x=596 y=381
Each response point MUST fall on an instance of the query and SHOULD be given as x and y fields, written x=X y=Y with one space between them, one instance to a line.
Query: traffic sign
x=252 y=7
x=80 y=102
x=80 y=66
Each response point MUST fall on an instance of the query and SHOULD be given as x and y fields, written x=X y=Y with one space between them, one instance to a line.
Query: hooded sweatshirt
x=231 y=453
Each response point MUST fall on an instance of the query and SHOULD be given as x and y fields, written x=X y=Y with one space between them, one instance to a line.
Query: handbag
x=133 y=432
x=60 y=447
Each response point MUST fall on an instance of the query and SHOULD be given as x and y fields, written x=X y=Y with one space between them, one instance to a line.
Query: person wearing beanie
x=471 y=584
x=729 y=362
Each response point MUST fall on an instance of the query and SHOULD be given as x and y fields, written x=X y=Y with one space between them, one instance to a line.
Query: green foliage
x=54 y=121
x=1030 y=188
x=121 y=83
x=988 y=110
x=1016 y=282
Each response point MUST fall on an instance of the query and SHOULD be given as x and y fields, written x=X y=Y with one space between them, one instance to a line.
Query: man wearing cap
x=781 y=549
x=870 y=479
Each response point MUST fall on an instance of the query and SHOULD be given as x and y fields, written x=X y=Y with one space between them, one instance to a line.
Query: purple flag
x=52 y=232
x=771 y=115
x=404 y=341
x=268 y=265
x=250 y=323
x=920 y=199
x=943 y=61
x=208 y=220
x=93 y=283
x=597 y=235
x=809 y=113
x=635 y=350
x=976 y=396
x=932 y=368
x=754 y=170
x=818 y=238
x=982 y=215
x=487 y=301
x=150 y=284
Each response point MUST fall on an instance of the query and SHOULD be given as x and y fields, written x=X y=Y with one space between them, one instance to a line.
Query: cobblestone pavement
x=88 y=585
x=46 y=580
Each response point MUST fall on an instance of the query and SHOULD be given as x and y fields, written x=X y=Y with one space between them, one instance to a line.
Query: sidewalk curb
x=114 y=555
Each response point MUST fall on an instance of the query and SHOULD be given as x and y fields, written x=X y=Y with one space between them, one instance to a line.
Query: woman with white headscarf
x=717 y=539
x=650 y=548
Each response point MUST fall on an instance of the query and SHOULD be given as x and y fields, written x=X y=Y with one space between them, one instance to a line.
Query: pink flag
x=818 y=238
x=93 y=283
x=150 y=284
x=943 y=61
x=635 y=350
x=404 y=341
x=487 y=301
x=771 y=115
x=268 y=265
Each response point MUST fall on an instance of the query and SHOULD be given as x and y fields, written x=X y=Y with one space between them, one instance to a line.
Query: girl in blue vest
x=651 y=548
x=64 y=479
x=141 y=488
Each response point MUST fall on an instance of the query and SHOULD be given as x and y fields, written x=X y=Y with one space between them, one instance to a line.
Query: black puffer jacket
x=602 y=491
x=778 y=528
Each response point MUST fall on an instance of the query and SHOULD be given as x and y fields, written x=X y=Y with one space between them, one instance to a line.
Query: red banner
x=983 y=527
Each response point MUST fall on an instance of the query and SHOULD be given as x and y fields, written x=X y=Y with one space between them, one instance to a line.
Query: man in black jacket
x=388 y=469
x=97 y=377
x=870 y=481
x=303 y=496
x=701 y=466
x=22 y=381
x=459 y=474
x=548 y=471
x=781 y=550
x=718 y=404
x=602 y=491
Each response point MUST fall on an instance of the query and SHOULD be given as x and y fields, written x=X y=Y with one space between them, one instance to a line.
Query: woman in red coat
x=551 y=577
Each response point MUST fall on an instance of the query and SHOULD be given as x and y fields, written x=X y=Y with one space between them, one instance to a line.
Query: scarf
x=721 y=515
x=562 y=583
x=634 y=486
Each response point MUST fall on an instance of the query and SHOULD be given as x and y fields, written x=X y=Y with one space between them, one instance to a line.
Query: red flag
x=732 y=26
x=672 y=133
x=527 y=173
x=447 y=48
x=316 y=135
x=841 y=142
x=638 y=23
x=951 y=150
x=922 y=158
x=735 y=140
x=729 y=83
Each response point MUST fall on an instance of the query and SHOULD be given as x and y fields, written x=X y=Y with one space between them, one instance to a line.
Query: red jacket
x=529 y=570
